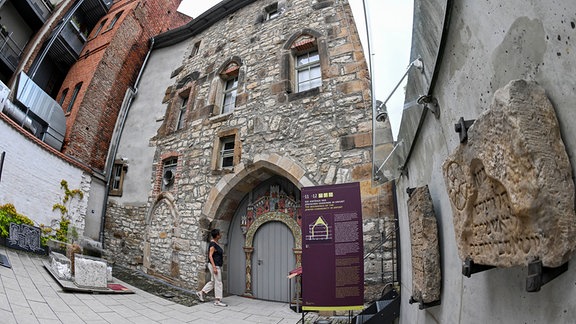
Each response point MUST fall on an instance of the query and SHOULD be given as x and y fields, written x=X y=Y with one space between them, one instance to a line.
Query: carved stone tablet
x=511 y=184
x=426 y=273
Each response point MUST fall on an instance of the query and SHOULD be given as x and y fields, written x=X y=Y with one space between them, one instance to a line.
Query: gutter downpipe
x=118 y=129
x=372 y=86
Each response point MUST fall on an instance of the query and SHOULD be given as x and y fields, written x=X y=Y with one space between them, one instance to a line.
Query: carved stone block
x=426 y=272
x=511 y=186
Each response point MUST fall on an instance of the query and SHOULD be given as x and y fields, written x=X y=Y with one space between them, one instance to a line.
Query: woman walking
x=216 y=257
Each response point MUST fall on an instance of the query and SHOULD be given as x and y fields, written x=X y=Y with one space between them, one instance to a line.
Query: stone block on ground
x=60 y=265
x=90 y=271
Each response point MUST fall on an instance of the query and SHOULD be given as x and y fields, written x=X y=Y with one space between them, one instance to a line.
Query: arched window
x=100 y=27
x=63 y=97
x=114 y=20
x=228 y=87
x=74 y=96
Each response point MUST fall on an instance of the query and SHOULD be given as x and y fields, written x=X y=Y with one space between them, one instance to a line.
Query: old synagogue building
x=235 y=112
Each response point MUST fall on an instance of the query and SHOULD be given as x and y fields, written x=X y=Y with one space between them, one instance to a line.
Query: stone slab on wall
x=426 y=271
x=511 y=186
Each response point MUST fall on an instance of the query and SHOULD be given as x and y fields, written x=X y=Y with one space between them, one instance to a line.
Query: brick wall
x=109 y=65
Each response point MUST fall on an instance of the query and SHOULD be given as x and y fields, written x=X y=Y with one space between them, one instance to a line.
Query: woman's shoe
x=219 y=303
x=200 y=295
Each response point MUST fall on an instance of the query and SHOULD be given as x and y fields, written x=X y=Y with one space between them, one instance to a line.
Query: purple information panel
x=332 y=248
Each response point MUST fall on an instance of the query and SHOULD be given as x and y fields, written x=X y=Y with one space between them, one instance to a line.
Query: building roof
x=200 y=23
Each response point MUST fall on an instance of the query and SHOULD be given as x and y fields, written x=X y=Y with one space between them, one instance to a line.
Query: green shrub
x=9 y=215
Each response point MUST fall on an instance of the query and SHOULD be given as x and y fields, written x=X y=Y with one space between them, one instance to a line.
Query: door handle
x=260 y=262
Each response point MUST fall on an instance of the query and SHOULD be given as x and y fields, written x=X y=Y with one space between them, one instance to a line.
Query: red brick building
x=93 y=91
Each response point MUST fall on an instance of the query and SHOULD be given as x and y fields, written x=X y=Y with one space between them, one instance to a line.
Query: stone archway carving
x=163 y=208
x=249 y=248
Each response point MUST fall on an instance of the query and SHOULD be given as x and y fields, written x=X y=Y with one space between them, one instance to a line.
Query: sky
x=389 y=35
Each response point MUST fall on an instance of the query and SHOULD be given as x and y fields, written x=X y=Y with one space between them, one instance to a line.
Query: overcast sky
x=390 y=32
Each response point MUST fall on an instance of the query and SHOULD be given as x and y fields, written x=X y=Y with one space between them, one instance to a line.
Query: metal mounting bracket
x=469 y=267
x=431 y=103
x=538 y=275
x=462 y=128
x=424 y=305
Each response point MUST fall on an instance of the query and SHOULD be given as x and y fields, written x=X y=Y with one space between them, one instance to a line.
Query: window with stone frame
x=74 y=96
x=302 y=64
x=308 y=73
x=227 y=150
x=182 y=111
x=195 y=49
x=229 y=95
x=272 y=11
x=169 y=172
x=117 y=181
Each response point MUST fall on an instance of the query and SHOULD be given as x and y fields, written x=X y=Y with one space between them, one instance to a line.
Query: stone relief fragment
x=426 y=272
x=511 y=186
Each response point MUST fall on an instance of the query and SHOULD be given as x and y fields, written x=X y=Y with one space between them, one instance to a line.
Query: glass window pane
x=315 y=72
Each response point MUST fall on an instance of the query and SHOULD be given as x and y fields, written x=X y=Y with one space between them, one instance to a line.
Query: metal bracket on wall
x=539 y=275
x=469 y=267
x=462 y=128
x=431 y=103
x=424 y=305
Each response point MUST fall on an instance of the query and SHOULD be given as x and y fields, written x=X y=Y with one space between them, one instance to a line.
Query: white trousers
x=215 y=282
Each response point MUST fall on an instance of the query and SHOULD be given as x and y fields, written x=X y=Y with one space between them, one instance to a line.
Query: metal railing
x=10 y=52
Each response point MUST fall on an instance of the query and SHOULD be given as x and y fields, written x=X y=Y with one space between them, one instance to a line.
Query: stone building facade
x=239 y=110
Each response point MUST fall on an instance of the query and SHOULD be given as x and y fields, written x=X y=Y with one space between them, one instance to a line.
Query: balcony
x=10 y=52
x=36 y=12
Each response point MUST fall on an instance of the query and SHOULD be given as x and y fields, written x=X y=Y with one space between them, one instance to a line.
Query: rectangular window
x=195 y=49
x=227 y=152
x=272 y=11
x=117 y=181
x=169 y=172
x=182 y=113
x=308 y=71
x=229 y=101
x=74 y=95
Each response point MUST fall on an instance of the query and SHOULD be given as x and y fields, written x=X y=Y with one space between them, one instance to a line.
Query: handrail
x=380 y=244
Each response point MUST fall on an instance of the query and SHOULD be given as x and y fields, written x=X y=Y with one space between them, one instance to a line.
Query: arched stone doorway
x=227 y=206
x=265 y=241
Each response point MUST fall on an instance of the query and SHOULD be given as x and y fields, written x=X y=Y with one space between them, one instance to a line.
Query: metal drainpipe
x=126 y=104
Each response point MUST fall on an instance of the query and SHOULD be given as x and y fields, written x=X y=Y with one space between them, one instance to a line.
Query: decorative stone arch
x=249 y=248
x=169 y=200
x=166 y=199
x=280 y=165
